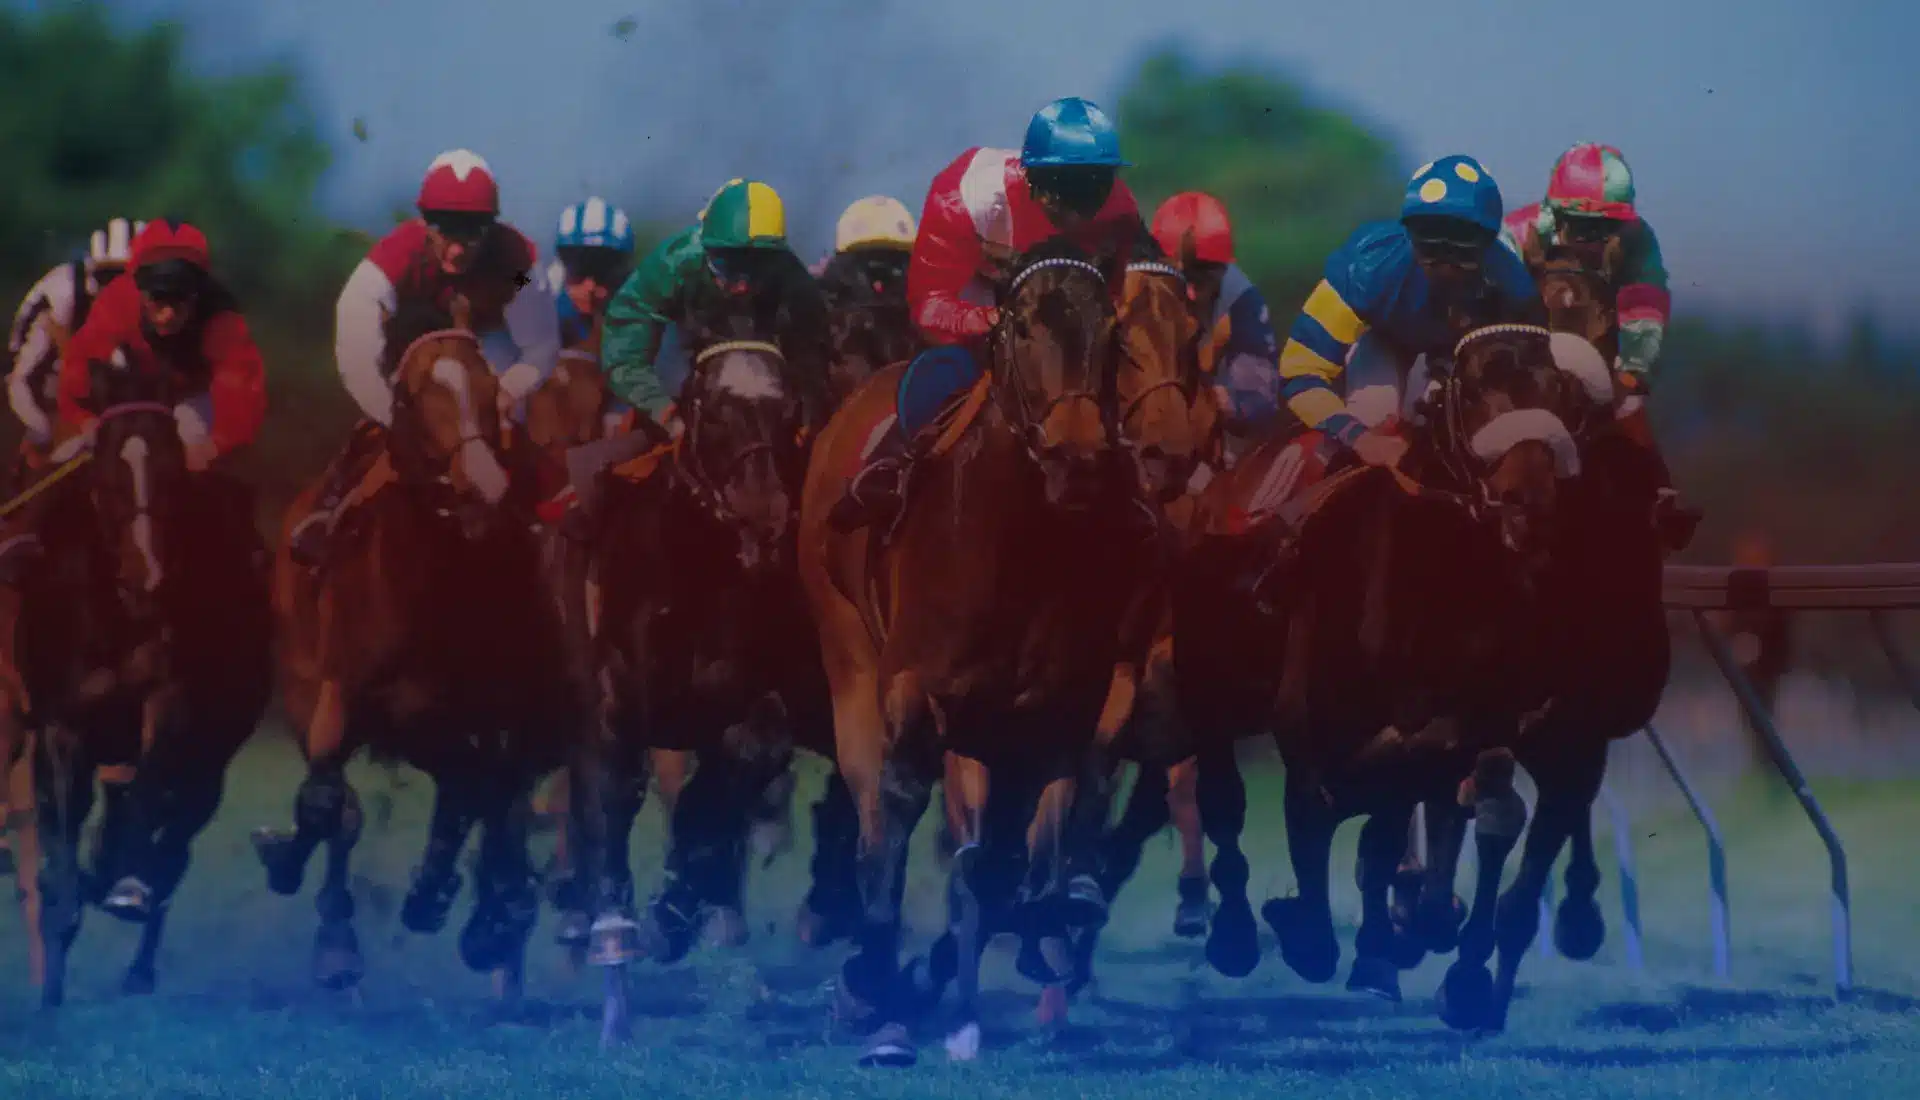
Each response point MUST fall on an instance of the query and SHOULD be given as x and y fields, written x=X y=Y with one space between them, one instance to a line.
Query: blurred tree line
x=1773 y=433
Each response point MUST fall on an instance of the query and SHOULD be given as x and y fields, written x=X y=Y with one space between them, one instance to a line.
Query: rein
x=696 y=481
x=1001 y=335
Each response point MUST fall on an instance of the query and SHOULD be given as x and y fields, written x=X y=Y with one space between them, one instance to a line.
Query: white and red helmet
x=459 y=181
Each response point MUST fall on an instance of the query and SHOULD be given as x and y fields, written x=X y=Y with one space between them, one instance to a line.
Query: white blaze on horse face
x=1576 y=356
x=1509 y=429
x=477 y=459
x=751 y=377
x=134 y=453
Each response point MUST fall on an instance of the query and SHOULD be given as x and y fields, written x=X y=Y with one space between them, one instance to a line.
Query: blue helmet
x=1071 y=131
x=594 y=223
x=1454 y=187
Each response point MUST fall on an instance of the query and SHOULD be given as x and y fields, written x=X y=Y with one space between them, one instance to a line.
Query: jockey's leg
x=934 y=378
x=308 y=539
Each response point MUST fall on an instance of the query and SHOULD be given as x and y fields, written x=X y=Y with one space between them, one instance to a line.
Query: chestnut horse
x=431 y=636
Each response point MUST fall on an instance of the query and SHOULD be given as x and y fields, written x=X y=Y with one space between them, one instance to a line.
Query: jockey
x=736 y=249
x=1589 y=211
x=170 y=312
x=593 y=255
x=53 y=310
x=1238 y=348
x=458 y=246
x=872 y=245
x=1395 y=291
x=982 y=210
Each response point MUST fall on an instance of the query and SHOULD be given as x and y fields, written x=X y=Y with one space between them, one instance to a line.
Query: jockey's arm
x=534 y=326
x=31 y=344
x=98 y=339
x=636 y=322
x=947 y=257
x=1248 y=365
x=359 y=339
x=1316 y=354
x=1645 y=303
x=236 y=386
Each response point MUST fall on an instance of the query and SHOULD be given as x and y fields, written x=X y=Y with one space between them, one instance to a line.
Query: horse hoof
x=1307 y=942
x=138 y=983
x=1233 y=949
x=1195 y=911
x=1085 y=904
x=891 y=1048
x=665 y=935
x=130 y=900
x=963 y=1045
x=274 y=847
x=1465 y=998
x=1377 y=976
x=1406 y=951
x=852 y=1012
x=726 y=927
x=424 y=912
x=1579 y=929
x=613 y=940
x=575 y=929
x=337 y=964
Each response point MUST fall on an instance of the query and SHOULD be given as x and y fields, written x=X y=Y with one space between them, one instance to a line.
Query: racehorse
x=1389 y=643
x=431 y=636
x=143 y=641
x=1605 y=634
x=867 y=316
x=703 y=640
x=983 y=625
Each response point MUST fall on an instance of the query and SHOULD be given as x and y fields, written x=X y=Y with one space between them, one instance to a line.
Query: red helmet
x=459 y=182
x=1197 y=217
x=169 y=239
x=1592 y=179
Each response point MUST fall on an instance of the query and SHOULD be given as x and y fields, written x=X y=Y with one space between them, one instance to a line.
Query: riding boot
x=307 y=542
x=878 y=489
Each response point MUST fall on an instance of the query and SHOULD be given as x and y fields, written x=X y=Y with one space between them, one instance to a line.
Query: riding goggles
x=605 y=266
x=459 y=226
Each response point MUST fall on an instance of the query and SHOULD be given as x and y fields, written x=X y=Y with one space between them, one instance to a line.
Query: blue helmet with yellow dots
x=1455 y=188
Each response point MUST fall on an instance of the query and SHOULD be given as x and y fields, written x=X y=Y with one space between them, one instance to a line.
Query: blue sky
x=1772 y=140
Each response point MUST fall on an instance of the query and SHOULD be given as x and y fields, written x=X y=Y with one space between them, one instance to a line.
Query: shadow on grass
x=1699 y=1005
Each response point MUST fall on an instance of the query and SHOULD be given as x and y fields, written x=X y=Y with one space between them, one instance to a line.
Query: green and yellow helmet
x=744 y=214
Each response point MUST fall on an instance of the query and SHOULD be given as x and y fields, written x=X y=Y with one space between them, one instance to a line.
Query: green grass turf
x=236 y=1016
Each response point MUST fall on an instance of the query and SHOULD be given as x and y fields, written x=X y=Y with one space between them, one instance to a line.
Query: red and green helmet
x=1594 y=180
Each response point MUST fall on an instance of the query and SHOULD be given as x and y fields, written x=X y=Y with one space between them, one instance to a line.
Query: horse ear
x=462 y=311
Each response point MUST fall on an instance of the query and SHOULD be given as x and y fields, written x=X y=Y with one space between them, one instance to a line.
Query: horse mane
x=413 y=319
x=850 y=277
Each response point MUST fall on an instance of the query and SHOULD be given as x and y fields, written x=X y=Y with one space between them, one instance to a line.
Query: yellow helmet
x=874 y=220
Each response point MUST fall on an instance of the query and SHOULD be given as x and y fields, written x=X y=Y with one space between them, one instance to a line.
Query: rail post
x=1790 y=771
x=1719 y=913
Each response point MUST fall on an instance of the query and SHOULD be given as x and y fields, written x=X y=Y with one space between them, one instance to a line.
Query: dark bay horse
x=1604 y=635
x=431 y=637
x=867 y=315
x=1391 y=649
x=984 y=624
x=143 y=641
x=703 y=640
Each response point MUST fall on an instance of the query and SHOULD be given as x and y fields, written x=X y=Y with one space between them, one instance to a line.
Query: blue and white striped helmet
x=595 y=223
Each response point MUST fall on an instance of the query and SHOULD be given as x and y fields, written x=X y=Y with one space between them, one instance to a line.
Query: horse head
x=446 y=420
x=139 y=470
x=867 y=315
x=1158 y=380
x=1505 y=420
x=1056 y=352
x=1578 y=294
x=741 y=458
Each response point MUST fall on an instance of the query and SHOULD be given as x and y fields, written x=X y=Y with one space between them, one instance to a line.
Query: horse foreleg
x=506 y=902
x=64 y=777
x=1578 y=927
x=337 y=963
x=1233 y=945
x=1304 y=924
x=1438 y=912
x=1383 y=842
x=1499 y=816
x=966 y=785
x=320 y=806
x=437 y=880
x=1183 y=809
x=22 y=827
x=831 y=910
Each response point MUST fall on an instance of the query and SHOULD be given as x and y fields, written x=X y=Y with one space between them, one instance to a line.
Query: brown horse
x=867 y=315
x=703 y=641
x=430 y=636
x=985 y=623
x=1388 y=646
x=1604 y=639
x=142 y=641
